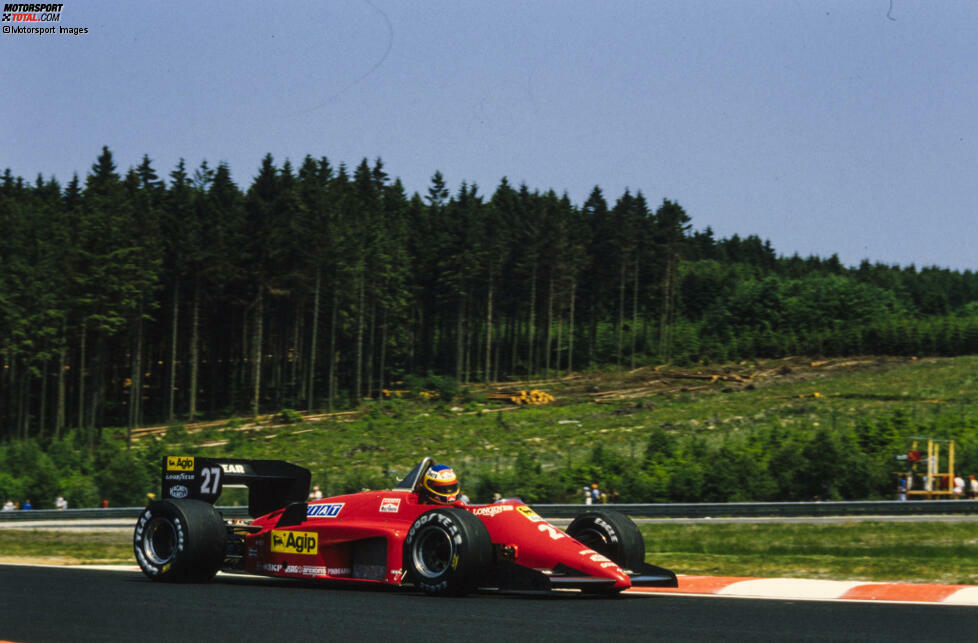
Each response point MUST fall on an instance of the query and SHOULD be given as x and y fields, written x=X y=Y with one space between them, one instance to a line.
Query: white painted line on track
x=789 y=588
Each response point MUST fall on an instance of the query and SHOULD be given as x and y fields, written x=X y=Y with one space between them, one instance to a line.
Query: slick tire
x=180 y=541
x=447 y=552
x=611 y=534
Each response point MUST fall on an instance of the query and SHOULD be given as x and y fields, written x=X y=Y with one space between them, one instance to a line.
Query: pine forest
x=130 y=298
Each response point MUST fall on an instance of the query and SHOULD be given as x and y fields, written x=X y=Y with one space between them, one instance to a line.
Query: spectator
x=496 y=497
x=958 y=487
x=588 y=498
x=60 y=502
x=902 y=489
x=315 y=494
x=972 y=488
x=595 y=493
x=9 y=505
x=27 y=505
x=105 y=504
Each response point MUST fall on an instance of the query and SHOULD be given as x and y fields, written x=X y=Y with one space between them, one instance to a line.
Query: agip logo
x=294 y=542
x=179 y=463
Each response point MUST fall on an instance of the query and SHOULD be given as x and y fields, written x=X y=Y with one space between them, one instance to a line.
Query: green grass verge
x=921 y=552
x=66 y=547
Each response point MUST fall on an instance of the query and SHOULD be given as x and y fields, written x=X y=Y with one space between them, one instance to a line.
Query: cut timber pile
x=523 y=397
x=674 y=381
x=262 y=421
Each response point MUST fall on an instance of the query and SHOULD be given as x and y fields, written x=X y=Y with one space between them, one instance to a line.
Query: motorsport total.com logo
x=28 y=13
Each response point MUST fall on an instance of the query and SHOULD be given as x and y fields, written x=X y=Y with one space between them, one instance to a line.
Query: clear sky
x=845 y=127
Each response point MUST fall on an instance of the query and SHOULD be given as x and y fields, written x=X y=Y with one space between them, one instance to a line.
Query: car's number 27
x=211 y=482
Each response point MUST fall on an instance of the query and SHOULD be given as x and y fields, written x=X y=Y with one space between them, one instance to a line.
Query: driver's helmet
x=441 y=484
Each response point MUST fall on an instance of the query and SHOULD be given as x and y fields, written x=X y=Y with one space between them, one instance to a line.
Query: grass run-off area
x=917 y=552
x=922 y=552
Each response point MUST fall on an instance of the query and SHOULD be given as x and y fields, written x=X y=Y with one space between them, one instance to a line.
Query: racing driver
x=440 y=486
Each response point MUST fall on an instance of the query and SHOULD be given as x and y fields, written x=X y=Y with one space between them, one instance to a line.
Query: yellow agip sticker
x=294 y=542
x=179 y=463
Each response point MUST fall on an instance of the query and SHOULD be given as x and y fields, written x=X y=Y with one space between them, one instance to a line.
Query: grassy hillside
x=747 y=408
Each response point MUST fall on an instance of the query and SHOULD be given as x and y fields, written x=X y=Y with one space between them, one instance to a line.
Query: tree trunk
x=621 y=310
x=634 y=311
x=42 y=415
x=195 y=353
x=487 y=374
x=331 y=385
x=361 y=322
x=371 y=346
x=460 y=337
x=136 y=379
x=81 y=380
x=311 y=374
x=550 y=323
x=533 y=319
x=383 y=354
x=60 y=419
x=171 y=388
x=665 y=324
x=256 y=351
x=570 y=329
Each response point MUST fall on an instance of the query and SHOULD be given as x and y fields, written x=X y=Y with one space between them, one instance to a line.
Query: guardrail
x=656 y=510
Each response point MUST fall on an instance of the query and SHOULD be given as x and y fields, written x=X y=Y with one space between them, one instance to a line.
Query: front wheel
x=612 y=534
x=447 y=552
x=180 y=541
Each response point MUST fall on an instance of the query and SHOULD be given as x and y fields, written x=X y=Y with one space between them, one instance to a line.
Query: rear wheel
x=447 y=552
x=612 y=534
x=180 y=541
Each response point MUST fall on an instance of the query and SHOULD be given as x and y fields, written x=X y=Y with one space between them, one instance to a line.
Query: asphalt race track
x=61 y=604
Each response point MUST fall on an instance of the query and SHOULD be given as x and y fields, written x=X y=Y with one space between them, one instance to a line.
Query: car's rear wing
x=272 y=484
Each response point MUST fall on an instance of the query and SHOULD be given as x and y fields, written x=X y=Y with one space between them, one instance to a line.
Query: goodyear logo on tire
x=294 y=542
x=179 y=463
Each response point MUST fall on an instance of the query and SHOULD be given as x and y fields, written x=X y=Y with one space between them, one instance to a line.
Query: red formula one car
x=380 y=537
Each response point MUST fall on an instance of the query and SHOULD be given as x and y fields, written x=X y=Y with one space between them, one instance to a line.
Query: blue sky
x=826 y=127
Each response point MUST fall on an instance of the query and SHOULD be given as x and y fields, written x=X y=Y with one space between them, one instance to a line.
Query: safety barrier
x=656 y=510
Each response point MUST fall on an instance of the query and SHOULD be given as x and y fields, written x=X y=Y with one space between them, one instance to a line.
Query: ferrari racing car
x=388 y=537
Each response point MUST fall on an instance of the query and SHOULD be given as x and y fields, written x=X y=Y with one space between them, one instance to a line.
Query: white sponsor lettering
x=491 y=510
x=324 y=510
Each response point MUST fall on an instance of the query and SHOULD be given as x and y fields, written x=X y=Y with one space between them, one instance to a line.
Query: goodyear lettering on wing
x=324 y=510
x=179 y=463
x=294 y=542
x=233 y=468
x=390 y=505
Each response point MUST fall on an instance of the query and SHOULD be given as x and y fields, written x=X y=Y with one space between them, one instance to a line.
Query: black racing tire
x=447 y=552
x=611 y=534
x=180 y=541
